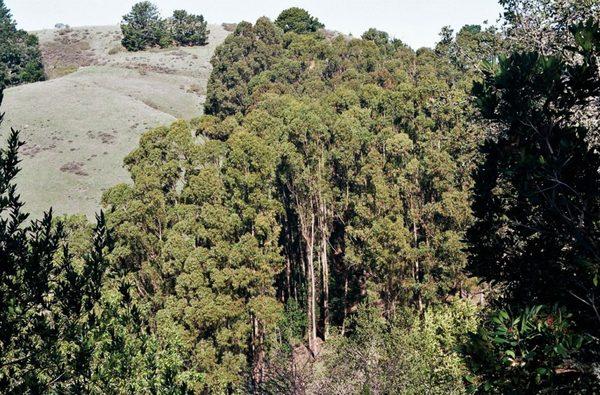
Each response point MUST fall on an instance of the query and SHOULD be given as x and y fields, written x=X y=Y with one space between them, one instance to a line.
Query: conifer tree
x=47 y=305
x=188 y=29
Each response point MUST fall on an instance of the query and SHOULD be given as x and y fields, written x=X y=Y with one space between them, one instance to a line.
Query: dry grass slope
x=80 y=124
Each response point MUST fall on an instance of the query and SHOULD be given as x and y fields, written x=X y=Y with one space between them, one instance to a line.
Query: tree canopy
x=20 y=57
x=298 y=20
x=144 y=28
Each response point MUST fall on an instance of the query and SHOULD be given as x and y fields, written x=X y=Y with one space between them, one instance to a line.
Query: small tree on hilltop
x=143 y=28
x=298 y=20
x=188 y=29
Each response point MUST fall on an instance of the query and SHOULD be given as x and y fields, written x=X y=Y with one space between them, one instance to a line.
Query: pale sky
x=416 y=22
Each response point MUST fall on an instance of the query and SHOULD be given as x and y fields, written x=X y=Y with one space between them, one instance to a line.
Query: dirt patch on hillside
x=107 y=138
x=73 y=168
x=69 y=51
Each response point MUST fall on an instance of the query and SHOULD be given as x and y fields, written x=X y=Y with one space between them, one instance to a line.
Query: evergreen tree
x=47 y=304
x=143 y=28
x=188 y=29
x=298 y=20
x=244 y=54
x=20 y=57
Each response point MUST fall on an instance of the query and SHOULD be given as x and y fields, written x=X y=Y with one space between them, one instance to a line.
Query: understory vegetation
x=350 y=216
x=144 y=28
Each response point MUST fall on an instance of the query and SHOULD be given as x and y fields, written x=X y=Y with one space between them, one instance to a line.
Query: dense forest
x=350 y=216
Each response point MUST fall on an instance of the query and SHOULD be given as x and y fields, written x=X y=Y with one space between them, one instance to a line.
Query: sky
x=415 y=22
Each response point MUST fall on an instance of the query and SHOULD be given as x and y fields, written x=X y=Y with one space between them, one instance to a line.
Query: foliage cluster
x=411 y=354
x=298 y=20
x=334 y=172
x=48 y=315
x=143 y=28
x=20 y=56
x=532 y=351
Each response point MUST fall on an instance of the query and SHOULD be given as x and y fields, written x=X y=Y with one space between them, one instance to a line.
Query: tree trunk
x=258 y=353
x=311 y=288
x=288 y=279
x=417 y=269
x=325 y=273
x=345 y=302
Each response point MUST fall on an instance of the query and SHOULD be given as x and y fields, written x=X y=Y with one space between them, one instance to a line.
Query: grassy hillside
x=80 y=124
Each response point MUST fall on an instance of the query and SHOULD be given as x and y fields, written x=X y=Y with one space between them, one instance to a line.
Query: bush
x=531 y=351
x=20 y=56
x=412 y=355
x=188 y=29
x=298 y=20
x=143 y=28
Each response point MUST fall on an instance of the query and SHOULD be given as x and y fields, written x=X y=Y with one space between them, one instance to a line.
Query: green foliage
x=537 y=198
x=197 y=231
x=20 y=56
x=473 y=48
x=293 y=324
x=326 y=194
x=143 y=28
x=377 y=36
x=298 y=20
x=383 y=40
x=532 y=351
x=188 y=29
x=409 y=356
x=244 y=54
x=47 y=303
x=373 y=153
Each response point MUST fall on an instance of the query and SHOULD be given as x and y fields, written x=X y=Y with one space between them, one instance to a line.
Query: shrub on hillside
x=143 y=28
x=20 y=56
x=188 y=29
x=298 y=20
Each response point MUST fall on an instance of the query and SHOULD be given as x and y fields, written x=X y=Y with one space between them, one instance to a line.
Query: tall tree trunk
x=258 y=352
x=345 y=302
x=311 y=288
x=325 y=274
x=288 y=278
x=417 y=271
x=325 y=269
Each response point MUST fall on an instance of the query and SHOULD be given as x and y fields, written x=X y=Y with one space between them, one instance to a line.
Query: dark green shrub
x=188 y=29
x=298 y=20
x=143 y=28
x=531 y=350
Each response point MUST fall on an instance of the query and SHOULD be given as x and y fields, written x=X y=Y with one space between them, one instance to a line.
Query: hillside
x=81 y=123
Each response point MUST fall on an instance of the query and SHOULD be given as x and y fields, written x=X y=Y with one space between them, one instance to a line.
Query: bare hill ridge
x=80 y=124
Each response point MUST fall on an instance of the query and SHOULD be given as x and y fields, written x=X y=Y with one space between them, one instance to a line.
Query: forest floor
x=80 y=124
